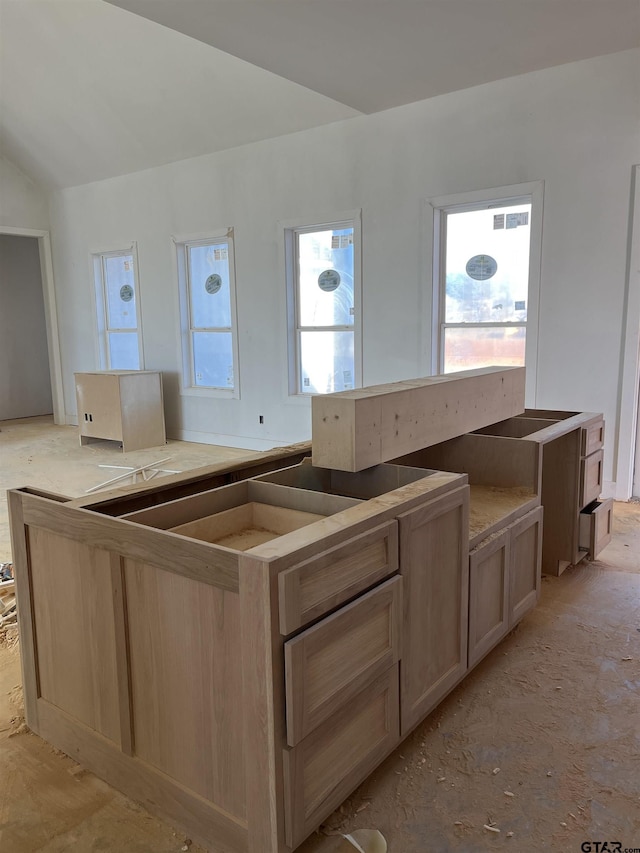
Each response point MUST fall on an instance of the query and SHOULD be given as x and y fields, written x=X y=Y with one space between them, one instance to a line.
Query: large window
x=484 y=293
x=324 y=298
x=208 y=315
x=117 y=309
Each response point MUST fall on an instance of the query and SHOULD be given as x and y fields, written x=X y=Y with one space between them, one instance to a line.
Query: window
x=119 y=332
x=324 y=307
x=483 y=277
x=208 y=314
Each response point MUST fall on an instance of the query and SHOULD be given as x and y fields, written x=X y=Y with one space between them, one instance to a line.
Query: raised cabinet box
x=327 y=665
x=596 y=525
x=121 y=405
x=330 y=762
x=353 y=430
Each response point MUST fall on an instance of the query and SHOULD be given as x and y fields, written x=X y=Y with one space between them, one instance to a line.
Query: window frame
x=182 y=244
x=289 y=233
x=436 y=210
x=101 y=311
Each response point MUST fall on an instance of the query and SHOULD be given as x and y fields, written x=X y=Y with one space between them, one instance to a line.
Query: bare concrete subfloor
x=541 y=741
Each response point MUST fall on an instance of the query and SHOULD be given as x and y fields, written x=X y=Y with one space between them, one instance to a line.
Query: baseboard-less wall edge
x=242 y=442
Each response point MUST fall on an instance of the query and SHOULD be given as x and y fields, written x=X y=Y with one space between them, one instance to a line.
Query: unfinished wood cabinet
x=572 y=475
x=596 y=527
x=525 y=562
x=183 y=692
x=121 y=405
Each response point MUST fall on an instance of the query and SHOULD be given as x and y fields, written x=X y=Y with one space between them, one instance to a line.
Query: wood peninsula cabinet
x=577 y=523
x=238 y=647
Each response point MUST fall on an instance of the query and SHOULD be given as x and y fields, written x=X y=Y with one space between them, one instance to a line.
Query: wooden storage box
x=121 y=405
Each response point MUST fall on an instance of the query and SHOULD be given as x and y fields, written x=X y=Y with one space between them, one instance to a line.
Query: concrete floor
x=551 y=716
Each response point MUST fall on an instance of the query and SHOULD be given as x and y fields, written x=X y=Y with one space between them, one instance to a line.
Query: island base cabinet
x=333 y=759
x=434 y=564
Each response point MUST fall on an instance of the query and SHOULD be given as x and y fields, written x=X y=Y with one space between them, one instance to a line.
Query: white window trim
x=100 y=305
x=286 y=242
x=434 y=238
x=180 y=243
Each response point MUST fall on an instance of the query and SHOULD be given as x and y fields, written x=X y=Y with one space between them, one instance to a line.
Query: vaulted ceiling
x=92 y=89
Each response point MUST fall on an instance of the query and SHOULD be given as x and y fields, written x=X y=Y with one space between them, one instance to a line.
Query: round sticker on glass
x=329 y=280
x=126 y=293
x=481 y=267
x=213 y=283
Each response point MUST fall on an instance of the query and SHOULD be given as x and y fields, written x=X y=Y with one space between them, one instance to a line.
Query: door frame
x=50 y=312
x=627 y=447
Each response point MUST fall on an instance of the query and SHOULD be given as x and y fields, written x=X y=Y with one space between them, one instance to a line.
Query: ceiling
x=91 y=89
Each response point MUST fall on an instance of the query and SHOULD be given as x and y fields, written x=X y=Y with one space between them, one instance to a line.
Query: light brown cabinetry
x=121 y=405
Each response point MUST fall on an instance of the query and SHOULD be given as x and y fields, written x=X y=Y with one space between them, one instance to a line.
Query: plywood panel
x=327 y=665
x=435 y=569
x=353 y=430
x=186 y=679
x=75 y=629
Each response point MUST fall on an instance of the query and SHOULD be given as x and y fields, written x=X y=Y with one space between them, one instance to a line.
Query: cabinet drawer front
x=591 y=478
x=327 y=665
x=525 y=564
x=322 y=770
x=488 y=596
x=596 y=524
x=592 y=438
x=320 y=584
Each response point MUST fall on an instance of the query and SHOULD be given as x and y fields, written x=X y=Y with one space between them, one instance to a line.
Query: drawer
x=596 y=524
x=525 y=564
x=592 y=438
x=322 y=770
x=488 y=595
x=329 y=664
x=320 y=584
x=590 y=478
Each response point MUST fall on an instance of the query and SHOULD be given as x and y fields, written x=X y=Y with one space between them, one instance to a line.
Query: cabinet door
x=98 y=398
x=434 y=563
x=488 y=595
x=525 y=562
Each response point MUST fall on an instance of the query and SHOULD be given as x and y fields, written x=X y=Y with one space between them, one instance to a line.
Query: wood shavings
x=508 y=793
x=491 y=828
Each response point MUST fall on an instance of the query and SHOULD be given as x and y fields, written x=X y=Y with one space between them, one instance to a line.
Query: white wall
x=22 y=203
x=25 y=382
x=575 y=127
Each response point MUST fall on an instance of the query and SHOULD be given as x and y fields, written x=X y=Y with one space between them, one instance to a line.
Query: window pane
x=325 y=269
x=212 y=359
x=123 y=351
x=326 y=362
x=465 y=349
x=487 y=265
x=209 y=286
x=121 y=292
